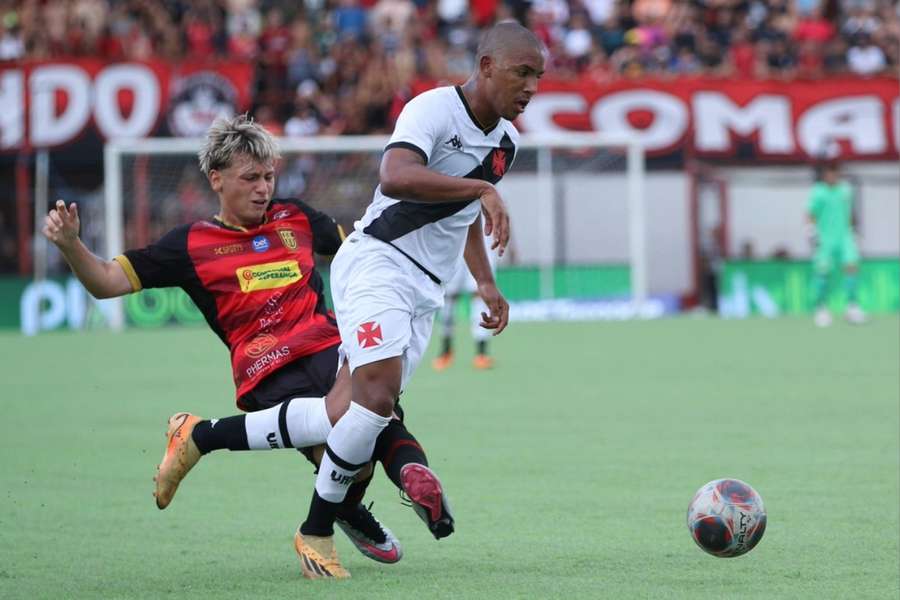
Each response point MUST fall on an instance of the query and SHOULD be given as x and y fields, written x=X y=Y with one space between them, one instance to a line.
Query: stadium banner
x=710 y=118
x=768 y=288
x=581 y=293
x=63 y=303
x=50 y=104
x=773 y=288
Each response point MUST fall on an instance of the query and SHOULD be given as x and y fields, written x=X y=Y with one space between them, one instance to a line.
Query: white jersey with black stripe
x=440 y=126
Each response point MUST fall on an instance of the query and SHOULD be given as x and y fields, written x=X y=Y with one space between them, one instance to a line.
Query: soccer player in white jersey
x=449 y=147
x=463 y=284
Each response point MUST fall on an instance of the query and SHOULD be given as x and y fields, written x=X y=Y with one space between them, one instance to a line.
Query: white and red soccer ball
x=726 y=518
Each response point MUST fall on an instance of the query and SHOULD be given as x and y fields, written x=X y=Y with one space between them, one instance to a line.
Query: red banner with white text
x=715 y=118
x=735 y=120
x=50 y=104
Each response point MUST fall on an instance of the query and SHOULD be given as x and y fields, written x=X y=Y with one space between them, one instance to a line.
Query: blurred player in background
x=250 y=270
x=830 y=227
x=461 y=285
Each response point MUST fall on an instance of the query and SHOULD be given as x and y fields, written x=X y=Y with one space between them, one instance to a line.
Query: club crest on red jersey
x=288 y=239
x=498 y=162
x=369 y=334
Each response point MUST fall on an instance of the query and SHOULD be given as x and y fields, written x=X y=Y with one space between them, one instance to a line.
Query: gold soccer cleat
x=318 y=557
x=181 y=455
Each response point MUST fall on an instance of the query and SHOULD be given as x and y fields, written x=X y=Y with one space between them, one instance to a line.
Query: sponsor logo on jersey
x=227 y=249
x=273 y=311
x=455 y=142
x=267 y=362
x=288 y=239
x=281 y=214
x=268 y=276
x=369 y=334
x=260 y=345
x=260 y=243
x=498 y=162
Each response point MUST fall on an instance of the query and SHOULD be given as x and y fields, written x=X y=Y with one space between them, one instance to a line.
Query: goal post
x=575 y=198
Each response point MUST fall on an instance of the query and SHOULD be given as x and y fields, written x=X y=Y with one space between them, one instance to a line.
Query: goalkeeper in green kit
x=830 y=213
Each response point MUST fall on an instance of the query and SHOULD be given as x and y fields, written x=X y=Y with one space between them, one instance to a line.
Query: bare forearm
x=424 y=185
x=102 y=278
x=476 y=256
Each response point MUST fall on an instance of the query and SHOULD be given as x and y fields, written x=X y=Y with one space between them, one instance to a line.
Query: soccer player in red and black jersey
x=250 y=270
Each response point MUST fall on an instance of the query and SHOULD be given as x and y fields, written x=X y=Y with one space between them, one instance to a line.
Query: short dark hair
x=504 y=35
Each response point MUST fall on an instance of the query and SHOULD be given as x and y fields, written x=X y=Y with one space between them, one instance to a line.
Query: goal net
x=575 y=201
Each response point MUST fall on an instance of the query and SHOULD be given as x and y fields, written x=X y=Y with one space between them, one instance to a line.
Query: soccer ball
x=726 y=518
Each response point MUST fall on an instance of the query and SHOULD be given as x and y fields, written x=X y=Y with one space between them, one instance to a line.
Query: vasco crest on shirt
x=288 y=239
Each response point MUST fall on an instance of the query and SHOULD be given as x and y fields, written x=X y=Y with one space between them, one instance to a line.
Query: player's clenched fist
x=61 y=226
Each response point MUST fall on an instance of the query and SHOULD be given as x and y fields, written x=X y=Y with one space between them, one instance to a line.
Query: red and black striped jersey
x=257 y=288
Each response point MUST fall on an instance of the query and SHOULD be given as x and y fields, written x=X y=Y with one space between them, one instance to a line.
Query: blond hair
x=228 y=137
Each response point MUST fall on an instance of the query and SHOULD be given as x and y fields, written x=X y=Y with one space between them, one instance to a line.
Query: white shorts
x=384 y=304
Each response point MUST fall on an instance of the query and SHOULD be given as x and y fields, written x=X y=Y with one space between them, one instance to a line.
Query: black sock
x=320 y=520
x=482 y=347
x=447 y=345
x=396 y=447
x=355 y=494
x=229 y=432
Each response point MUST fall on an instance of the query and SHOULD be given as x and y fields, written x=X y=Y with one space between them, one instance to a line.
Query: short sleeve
x=421 y=124
x=327 y=234
x=164 y=263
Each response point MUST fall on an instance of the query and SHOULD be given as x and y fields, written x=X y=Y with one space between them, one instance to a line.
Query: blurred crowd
x=345 y=66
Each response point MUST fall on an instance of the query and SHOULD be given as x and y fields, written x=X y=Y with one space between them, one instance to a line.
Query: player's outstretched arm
x=480 y=267
x=403 y=175
x=102 y=278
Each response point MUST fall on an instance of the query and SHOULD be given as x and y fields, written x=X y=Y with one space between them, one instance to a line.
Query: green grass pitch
x=570 y=467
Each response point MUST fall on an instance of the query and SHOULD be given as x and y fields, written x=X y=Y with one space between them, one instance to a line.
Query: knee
x=379 y=401
x=376 y=390
x=376 y=395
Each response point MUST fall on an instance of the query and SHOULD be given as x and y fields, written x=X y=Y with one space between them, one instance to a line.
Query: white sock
x=304 y=421
x=349 y=447
x=447 y=316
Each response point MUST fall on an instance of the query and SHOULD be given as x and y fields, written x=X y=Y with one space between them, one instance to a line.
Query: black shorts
x=307 y=377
